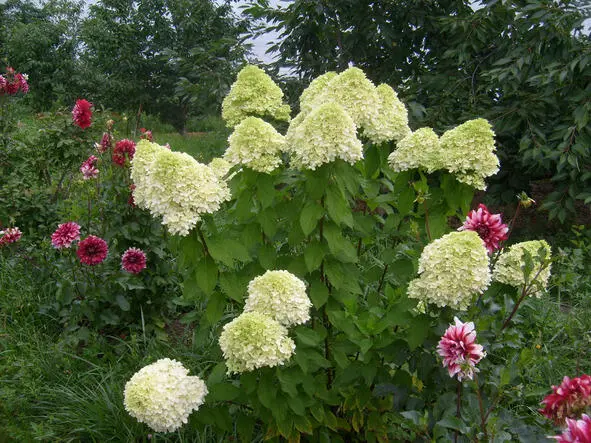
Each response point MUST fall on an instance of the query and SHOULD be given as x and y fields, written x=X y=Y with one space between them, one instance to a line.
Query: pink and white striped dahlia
x=577 y=431
x=65 y=235
x=460 y=351
x=133 y=260
x=92 y=250
x=88 y=168
x=569 y=400
x=489 y=227
x=10 y=235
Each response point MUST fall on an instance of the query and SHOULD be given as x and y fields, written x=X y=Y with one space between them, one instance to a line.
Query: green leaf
x=418 y=331
x=268 y=220
x=308 y=336
x=227 y=250
x=265 y=189
x=267 y=256
x=234 y=284
x=318 y=293
x=206 y=275
x=337 y=206
x=222 y=392
x=313 y=255
x=217 y=374
x=340 y=247
x=372 y=161
x=452 y=422
x=215 y=308
x=309 y=217
x=122 y=302
x=267 y=391
x=406 y=200
x=245 y=427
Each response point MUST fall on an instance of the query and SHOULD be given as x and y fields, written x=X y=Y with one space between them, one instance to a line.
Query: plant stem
x=458 y=407
x=524 y=292
x=205 y=250
x=483 y=416
x=382 y=278
x=427 y=221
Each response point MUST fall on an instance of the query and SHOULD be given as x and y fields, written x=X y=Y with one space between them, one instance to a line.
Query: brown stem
x=382 y=278
x=458 y=406
x=427 y=221
x=205 y=250
x=483 y=416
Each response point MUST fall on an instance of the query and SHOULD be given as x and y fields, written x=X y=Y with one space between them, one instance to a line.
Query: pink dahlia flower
x=146 y=134
x=65 y=235
x=105 y=144
x=81 y=114
x=88 y=168
x=133 y=260
x=131 y=200
x=460 y=351
x=569 y=400
x=123 y=147
x=489 y=227
x=577 y=431
x=22 y=82
x=2 y=83
x=92 y=250
x=10 y=235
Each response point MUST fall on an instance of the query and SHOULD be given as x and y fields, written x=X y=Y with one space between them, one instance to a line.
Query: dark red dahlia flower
x=92 y=250
x=81 y=114
x=569 y=400
x=133 y=260
x=489 y=227
x=123 y=147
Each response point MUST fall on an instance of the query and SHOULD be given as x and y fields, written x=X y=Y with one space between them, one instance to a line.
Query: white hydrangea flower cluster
x=280 y=295
x=452 y=270
x=258 y=337
x=254 y=340
x=163 y=395
x=326 y=134
x=419 y=149
x=175 y=186
x=391 y=119
x=220 y=166
x=254 y=93
x=333 y=108
x=510 y=267
x=256 y=144
x=468 y=151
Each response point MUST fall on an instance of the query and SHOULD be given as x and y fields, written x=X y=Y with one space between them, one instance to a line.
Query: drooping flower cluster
x=65 y=235
x=326 y=134
x=490 y=227
x=460 y=351
x=89 y=169
x=254 y=340
x=419 y=149
x=512 y=264
x=467 y=151
x=92 y=250
x=10 y=235
x=124 y=149
x=569 y=400
x=281 y=296
x=13 y=82
x=163 y=395
x=175 y=186
x=82 y=114
x=133 y=260
x=452 y=270
x=254 y=93
x=256 y=144
x=577 y=431
x=333 y=109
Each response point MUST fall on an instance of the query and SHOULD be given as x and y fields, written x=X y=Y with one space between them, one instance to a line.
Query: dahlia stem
x=483 y=416
x=458 y=407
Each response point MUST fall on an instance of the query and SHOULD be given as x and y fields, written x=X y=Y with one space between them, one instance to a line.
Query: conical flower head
x=468 y=151
x=256 y=144
x=254 y=93
x=452 y=270
x=280 y=295
x=512 y=263
x=326 y=134
x=310 y=96
x=489 y=227
x=254 y=340
x=163 y=395
x=390 y=123
x=460 y=351
x=418 y=150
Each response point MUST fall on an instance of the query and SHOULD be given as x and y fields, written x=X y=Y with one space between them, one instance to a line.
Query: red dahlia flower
x=460 y=351
x=123 y=147
x=569 y=400
x=131 y=200
x=92 y=250
x=11 y=235
x=89 y=169
x=105 y=144
x=489 y=227
x=65 y=235
x=577 y=431
x=81 y=114
x=133 y=260
x=22 y=82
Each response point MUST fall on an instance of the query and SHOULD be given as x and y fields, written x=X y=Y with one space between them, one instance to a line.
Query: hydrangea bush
x=327 y=270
